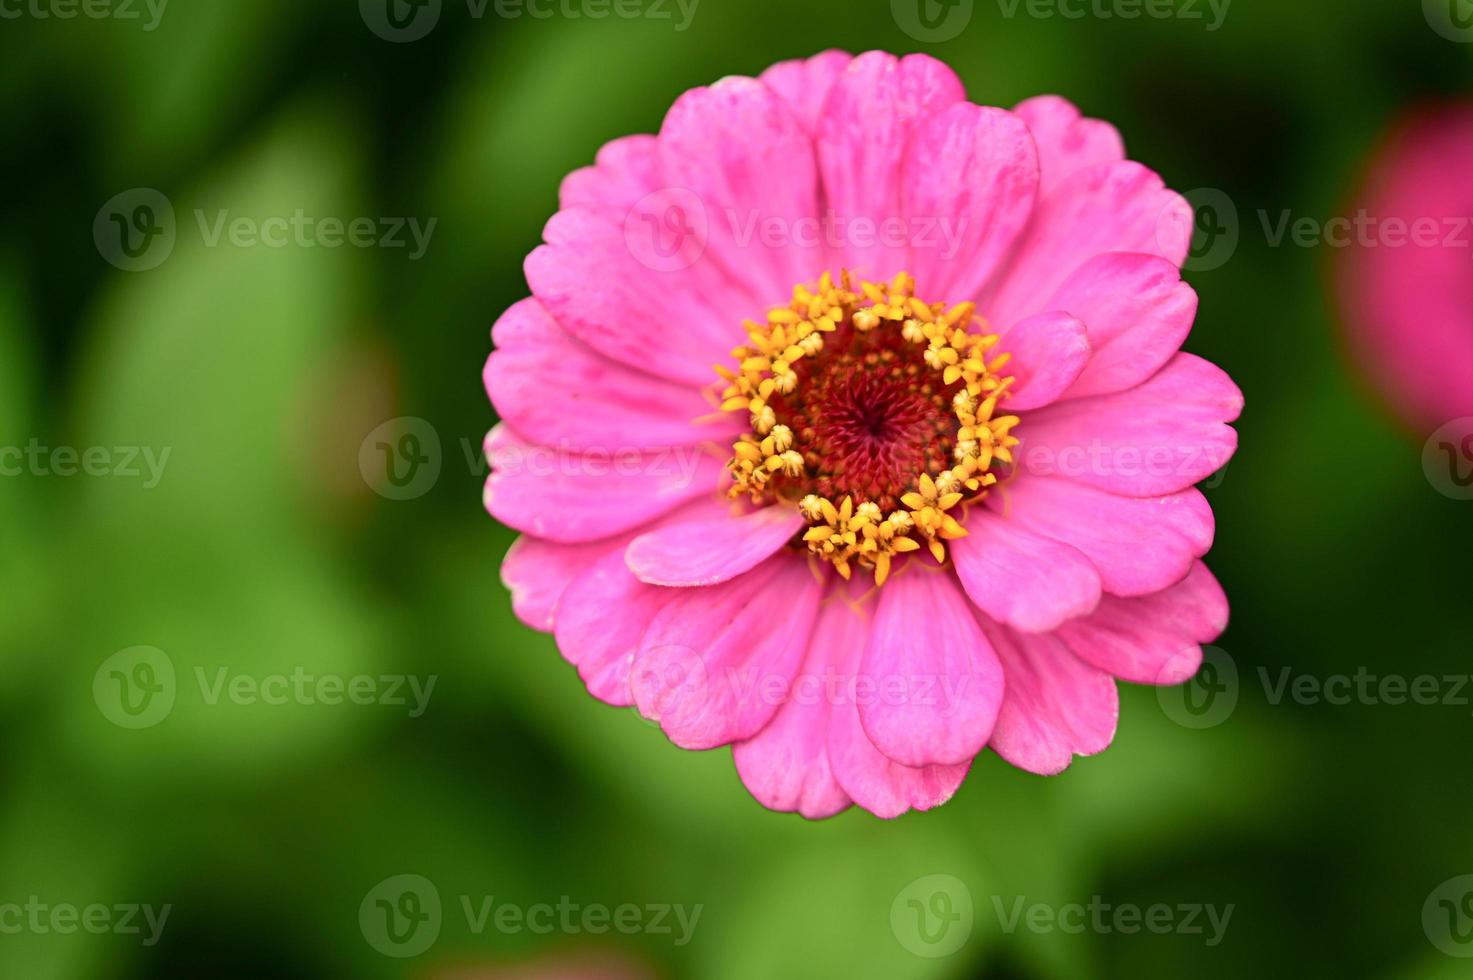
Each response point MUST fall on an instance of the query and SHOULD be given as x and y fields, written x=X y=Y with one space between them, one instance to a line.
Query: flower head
x=895 y=408
x=1406 y=279
x=938 y=494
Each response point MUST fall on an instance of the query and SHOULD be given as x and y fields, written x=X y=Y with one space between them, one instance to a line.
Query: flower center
x=875 y=413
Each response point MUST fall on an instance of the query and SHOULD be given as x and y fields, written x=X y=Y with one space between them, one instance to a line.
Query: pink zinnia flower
x=941 y=496
x=1406 y=282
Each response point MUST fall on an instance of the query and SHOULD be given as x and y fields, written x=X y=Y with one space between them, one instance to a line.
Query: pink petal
x=867 y=124
x=576 y=497
x=739 y=148
x=598 y=278
x=622 y=218
x=786 y=765
x=1155 y=639
x=600 y=620
x=1157 y=438
x=598 y=609
x=1138 y=545
x=1067 y=142
x=1048 y=353
x=712 y=550
x=603 y=609
x=651 y=233
x=1021 y=578
x=879 y=784
x=1055 y=706
x=1137 y=311
x=712 y=659
x=537 y=572
x=625 y=171
x=805 y=85
x=558 y=392
x=1111 y=207
x=968 y=184
x=937 y=682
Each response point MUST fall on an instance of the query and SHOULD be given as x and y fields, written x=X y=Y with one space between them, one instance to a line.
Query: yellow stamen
x=770 y=462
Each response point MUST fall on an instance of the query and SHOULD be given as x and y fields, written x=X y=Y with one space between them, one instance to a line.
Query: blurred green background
x=264 y=550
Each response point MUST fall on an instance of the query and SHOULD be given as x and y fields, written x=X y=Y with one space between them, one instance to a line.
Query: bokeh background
x=264 y=549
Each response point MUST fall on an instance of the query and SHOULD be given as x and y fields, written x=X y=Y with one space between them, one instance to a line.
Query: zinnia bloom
x=1406 y=281
x=940 y=496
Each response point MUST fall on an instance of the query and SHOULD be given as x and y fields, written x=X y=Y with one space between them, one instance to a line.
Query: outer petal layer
x=936 y=680
x=875 y=106
x=1067 y=142
x=1157 y=438
x=742 y=153
x=787 y=765
x=1139 y=545
x=876 y=782
x=710 y=658
x=599 y=278
x=558 y=392
x=573 y=497
x=537 y=571
x=1137 y=312
x=814 y=757
x=805 y=85
x=968 y=184
x=1056 y=705
x=1111 y=207
x=623 y=172
x=600 y=621
x=1155 y=639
